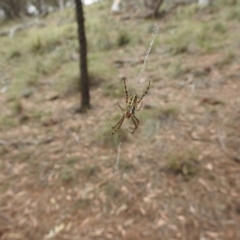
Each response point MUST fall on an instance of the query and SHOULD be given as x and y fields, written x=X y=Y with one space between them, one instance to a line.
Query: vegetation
x=174 y=181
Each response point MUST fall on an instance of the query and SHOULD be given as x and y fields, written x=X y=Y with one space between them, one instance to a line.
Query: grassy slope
x=174 y=182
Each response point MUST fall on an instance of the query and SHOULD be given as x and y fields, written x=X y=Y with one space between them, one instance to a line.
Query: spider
x=129 y=111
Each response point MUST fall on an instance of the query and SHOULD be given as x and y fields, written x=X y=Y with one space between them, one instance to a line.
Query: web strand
x=118 y=155
x=154 y=34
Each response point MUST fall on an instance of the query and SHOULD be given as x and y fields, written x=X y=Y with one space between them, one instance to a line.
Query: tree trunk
x=116 y=6
x=61 y=5
x=153 y=6
x=39 y=5
x=84 y=80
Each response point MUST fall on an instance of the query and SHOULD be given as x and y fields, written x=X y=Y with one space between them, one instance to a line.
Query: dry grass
x=57 y=178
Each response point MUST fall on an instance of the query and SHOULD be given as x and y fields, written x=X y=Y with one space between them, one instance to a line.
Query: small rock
x=204 y=2
x=50 y=122
x=148 y=106
x=3 y=90
x=52 y=96
x=27 y=93
x=23 y=118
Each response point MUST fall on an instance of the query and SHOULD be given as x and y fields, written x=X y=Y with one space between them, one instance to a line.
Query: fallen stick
x=224 y=148
x=10 y=32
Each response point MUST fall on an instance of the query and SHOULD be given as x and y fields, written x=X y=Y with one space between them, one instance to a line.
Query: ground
x=179 y=174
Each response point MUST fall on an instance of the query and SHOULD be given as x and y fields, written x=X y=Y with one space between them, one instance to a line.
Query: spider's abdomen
x=128 y=114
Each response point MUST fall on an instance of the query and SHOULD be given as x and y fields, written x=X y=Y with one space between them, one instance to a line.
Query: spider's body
x=129 y=112
x=131 y=106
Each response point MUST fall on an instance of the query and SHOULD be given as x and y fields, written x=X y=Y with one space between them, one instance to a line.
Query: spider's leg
x=125 y=87
x=118 y=125
x=133 y=129
x=119 y=122
x=135 y=122
x=140 y=107
x=144 y=93
x=120 y=107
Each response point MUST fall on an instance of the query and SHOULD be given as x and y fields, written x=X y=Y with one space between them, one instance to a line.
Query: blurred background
x=178 y=175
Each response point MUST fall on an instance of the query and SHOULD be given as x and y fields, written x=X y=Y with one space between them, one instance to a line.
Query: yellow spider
x=129 y=112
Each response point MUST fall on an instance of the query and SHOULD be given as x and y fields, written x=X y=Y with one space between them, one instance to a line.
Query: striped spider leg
x=129 y=111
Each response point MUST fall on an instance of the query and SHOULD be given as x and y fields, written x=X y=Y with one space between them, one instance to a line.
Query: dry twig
x=224 y=148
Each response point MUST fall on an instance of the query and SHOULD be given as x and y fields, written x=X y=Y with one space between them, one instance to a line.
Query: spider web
x=154 y=34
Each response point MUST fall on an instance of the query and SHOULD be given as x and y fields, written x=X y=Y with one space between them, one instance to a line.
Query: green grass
x=123 y=38
x=126 y=166
x=227 y=58
x=156 y=118
x=81 y=204
x=39 y=53
x=109 y=39
x=184 y=163
x=46 y=51
x=112 y=140
x=186 y=12
x=175 y=69
x=17 y=107
x=67 y=174
x=112 y=190
x=195 y=37
x=3 y=149
x=112 y=90
x=233 y=14
x=68 y=79
x=71 y=160
x=52 y=51
x=188 y=32
x=102 y=69
x=89 y=171
x=7 y=122
x=104 y=33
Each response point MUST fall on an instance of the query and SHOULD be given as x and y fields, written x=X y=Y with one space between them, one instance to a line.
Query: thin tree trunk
x=61 y=5
x=116 y=6
x=39 y=5
x=84 y=80
x=153 y=6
